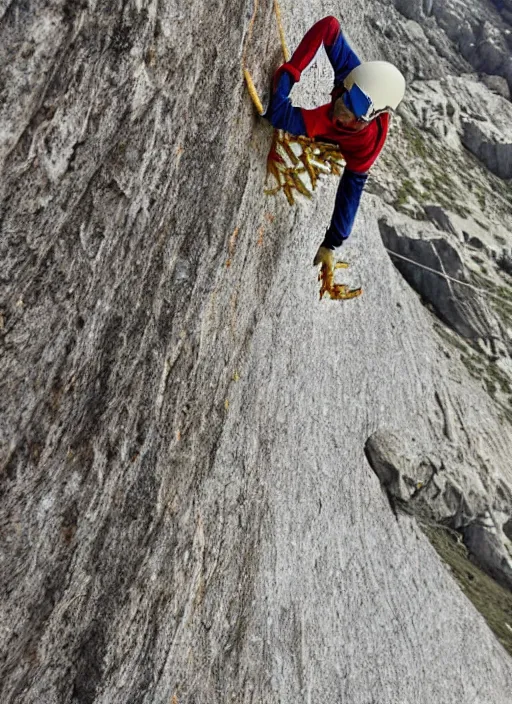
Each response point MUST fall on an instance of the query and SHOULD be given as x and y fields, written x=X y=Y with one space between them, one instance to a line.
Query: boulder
x=496 y=155
x=476 y=243
x=497 y=84
x=488 y=543
x=414 y=9
x=458 y=306
x=491 y=51
x=437 y=487
x=440 y=218
x=398 y=473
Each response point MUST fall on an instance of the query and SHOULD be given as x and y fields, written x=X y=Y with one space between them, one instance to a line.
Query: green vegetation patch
x=472 y=364
x=407 y=190
x=451 y=338
x=499 y=377
x=501 y=303
x=416 y=141
x=493 y=601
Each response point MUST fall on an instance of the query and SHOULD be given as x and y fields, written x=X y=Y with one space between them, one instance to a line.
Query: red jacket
x=360 y=149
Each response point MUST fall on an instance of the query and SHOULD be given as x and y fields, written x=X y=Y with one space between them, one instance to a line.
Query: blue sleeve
x=342 y=57
x=326 y=31
x=280 y=112
x=347 y=202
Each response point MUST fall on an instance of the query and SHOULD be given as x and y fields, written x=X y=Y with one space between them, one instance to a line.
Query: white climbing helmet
x=381 y=82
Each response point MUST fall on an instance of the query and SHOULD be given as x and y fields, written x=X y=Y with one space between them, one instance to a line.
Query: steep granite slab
x=187 y=511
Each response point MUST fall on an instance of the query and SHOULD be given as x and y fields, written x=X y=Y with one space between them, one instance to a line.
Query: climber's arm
x=327 y=32
x=281 y=113
x=348 y=197
x=352 y=184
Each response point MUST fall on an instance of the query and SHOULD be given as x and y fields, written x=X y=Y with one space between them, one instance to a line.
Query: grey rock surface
x=431 y=175
x=497 y=84
x=187 y=511
x=490 y=546
x=416 y=10
x=455 y=304
x=496 y=155
x=441 y=218
x=443 y=487
x=479 y=31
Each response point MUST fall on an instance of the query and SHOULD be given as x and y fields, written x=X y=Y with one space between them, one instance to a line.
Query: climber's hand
x=325 y=257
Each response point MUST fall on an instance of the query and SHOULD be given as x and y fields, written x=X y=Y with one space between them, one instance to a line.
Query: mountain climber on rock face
x=356 y=119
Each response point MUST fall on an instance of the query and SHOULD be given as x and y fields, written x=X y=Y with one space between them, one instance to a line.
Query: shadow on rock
x=458 y=306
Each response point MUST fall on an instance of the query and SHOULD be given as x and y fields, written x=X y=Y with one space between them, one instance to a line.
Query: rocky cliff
x=211 y=481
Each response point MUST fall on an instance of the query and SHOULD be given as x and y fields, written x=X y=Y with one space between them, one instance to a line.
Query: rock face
x=441 y=218
x=462 y=108
x=456 y=305
x=480 y=33
x=446 y=488
x=497 y=84
x=417 y=10
x=187 y=511
x=496 y=155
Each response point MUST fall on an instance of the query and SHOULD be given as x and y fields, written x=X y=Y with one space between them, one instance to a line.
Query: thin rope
x=248 y=78
x=284 y=47
x=248 y=37
x=450 y=278
x=280 y=29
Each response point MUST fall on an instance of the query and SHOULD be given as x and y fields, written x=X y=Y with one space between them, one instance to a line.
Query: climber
x=356 y=119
